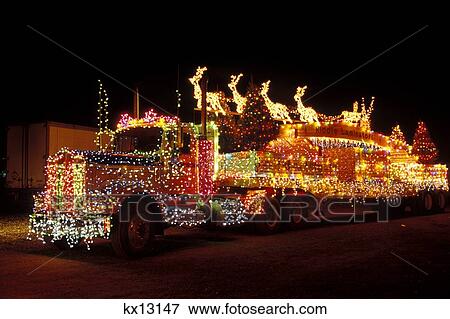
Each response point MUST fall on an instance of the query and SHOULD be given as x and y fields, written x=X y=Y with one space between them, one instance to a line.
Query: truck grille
x=65 y=185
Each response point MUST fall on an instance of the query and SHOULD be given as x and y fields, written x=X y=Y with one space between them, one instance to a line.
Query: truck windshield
x=139 y=139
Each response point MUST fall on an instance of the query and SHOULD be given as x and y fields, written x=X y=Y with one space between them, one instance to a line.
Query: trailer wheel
x=396 y=207
x=269 y=222
x=294 y=208
x=424 y=202
x=409 y=203
x=296 y=218
x=133 y=230
x=439 y=201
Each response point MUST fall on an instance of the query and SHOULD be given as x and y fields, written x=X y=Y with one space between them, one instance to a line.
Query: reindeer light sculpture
x=366 y=115
x=238 y=99
x=277 y=111
x=307 y=114
x=215 y=100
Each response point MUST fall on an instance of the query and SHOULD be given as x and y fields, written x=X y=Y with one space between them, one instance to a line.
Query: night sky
x=407 y=81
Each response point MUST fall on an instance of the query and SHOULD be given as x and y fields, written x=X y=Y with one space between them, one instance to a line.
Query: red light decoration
x=205 y=166
x=256 y=127
x=423 y=145
x=150 y=118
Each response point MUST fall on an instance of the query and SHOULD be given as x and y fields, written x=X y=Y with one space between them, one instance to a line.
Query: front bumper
x=72 y=228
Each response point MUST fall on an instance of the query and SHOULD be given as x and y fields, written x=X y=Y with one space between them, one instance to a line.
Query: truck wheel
x=133 y=233
x=210 y=217
x=296 y=218
x=268 y=222
x=61 y=244
x=439 y=201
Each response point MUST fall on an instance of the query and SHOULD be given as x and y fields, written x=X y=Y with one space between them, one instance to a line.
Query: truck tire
x=134 y=227
x=269 y=222
x=439 y=201
x=61 y=244
x=211 y=222
x=296 y=219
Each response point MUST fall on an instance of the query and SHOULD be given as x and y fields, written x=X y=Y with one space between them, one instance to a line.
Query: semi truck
x=157 y=172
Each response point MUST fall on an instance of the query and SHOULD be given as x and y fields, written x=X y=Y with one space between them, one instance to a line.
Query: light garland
x=150 y=119
x=205 y=166
x=73 y=230
x=220 y=211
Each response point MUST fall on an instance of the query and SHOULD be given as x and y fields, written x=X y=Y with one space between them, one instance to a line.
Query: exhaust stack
x=136 y=104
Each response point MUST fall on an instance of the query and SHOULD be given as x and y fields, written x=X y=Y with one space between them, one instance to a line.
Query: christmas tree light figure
x=257 y=127
x=397 y=139
x=104 y=136
x=229 y=133
x=423 y=146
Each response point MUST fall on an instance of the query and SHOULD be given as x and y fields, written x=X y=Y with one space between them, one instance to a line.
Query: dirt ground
x=407 y=257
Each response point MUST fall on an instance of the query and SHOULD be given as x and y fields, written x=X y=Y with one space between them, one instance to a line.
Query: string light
x=255 y=127
x=178 y=98
x=423 y=145
x=397 y=139
x=104 y=137
x=206 y=166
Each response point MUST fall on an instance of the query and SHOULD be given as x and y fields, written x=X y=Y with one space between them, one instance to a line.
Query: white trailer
x=29 y=146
